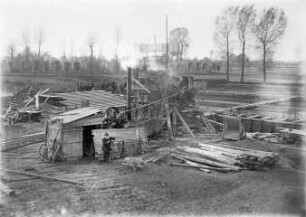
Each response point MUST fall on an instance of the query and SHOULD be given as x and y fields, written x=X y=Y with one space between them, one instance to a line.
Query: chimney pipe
x=129 y=92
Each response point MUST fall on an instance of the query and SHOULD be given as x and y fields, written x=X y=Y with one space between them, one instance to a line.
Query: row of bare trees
x=32 y=58
x=244 y=24
x=39 y=38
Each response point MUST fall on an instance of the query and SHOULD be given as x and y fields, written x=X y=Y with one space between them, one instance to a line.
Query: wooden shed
x=67 y=134
x=77 y=133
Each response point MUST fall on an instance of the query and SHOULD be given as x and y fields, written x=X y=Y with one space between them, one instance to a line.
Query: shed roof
x=96 y=98
x=77 y=114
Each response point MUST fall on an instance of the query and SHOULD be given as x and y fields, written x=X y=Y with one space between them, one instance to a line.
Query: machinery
x=114 y=118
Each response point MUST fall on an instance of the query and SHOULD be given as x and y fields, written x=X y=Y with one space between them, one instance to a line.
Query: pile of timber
x=292 y=135
x=17 y=108
x=15 y=143
x=269 y=137
x=157 y=155
x=223 y=159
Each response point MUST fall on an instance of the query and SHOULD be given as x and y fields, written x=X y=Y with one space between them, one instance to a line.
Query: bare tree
x=11 y=50
x=179 y=42
x=39 y=37
x=245 y=20
x=91 y=43
x=269 y=28
x=64 y=49
x=64 y=56
x=26 y=43
x=225 y=24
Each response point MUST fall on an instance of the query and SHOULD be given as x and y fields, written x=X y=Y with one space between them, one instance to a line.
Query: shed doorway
x=88 y=143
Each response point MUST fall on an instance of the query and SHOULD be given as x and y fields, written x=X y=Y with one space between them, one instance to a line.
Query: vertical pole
x=129 y=93
x=174 y=120
x=36 y=101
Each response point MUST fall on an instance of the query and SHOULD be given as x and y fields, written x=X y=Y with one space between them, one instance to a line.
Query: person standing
x=106 y=146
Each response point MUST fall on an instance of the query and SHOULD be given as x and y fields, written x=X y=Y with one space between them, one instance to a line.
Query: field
x=275 y=75
x=159 y=188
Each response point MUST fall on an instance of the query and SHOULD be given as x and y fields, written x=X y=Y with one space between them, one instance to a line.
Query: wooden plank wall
x=72 y=142
x=130 y=136
x=123 y=134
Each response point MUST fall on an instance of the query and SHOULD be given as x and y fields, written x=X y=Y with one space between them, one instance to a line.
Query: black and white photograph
x=152 y=108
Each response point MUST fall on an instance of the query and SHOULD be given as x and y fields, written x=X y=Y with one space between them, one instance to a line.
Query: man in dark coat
x=106 y=146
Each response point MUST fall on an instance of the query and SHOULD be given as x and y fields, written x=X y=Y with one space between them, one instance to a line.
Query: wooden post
x=36 y=101
x=183 y=121
x=174 y=121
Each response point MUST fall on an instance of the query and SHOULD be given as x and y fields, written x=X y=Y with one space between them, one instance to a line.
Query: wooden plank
x=141 y=85
x=209 y=154
x=206 y=161
x=246 y=106
x=206 y=167
x=7 y=111
x=160 y=156
x=183 y=121
x=99 y=100
x=253 y=116
x=41 y=176
x=215 y=122
x=22 y=145
x=192 y=164
x=240 y=150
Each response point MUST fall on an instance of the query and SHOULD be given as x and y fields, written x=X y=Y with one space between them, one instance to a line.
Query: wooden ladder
x=209 y=128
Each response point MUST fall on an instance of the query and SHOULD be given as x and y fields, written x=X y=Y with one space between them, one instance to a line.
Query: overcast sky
x=67 y=24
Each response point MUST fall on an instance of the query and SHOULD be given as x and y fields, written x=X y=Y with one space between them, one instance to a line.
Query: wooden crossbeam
x=183 y=121
x=141 y=85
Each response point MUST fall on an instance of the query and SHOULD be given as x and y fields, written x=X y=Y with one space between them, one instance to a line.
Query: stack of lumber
x=269 y=137
x=14 y=143
x=291 y=135
x=223 y=159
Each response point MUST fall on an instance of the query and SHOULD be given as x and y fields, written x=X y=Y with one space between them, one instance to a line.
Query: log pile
x=209 y=158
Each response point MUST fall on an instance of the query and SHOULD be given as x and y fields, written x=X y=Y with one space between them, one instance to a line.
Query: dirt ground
x=157 y=189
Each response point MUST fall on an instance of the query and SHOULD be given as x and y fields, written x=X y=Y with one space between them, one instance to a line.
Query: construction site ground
x=158 y=188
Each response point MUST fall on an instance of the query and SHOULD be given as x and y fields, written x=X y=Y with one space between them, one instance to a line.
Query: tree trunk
x=242 y=64
x=38 y=59
x=38 y=53
x=11 y=62
x=27 y=53
x=227 y=59
x=91 y=60
x=182 y=52
x=264 y=63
